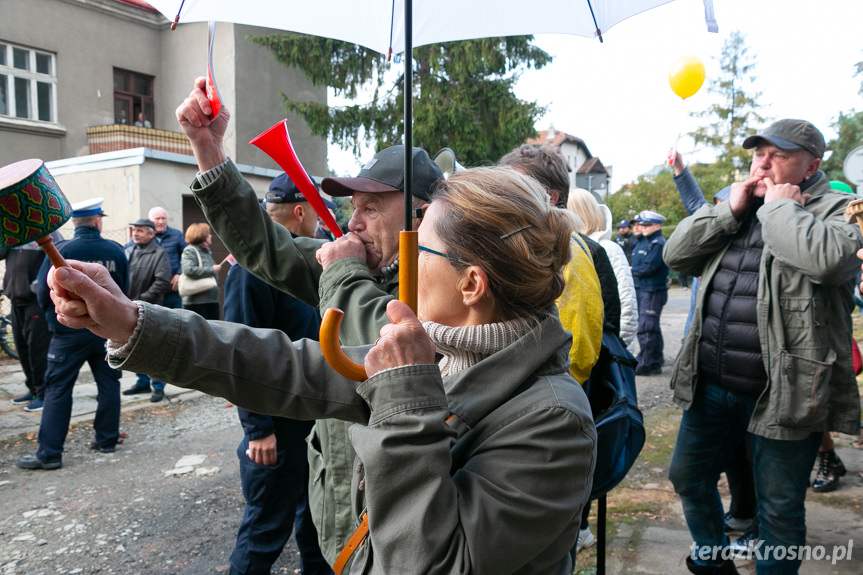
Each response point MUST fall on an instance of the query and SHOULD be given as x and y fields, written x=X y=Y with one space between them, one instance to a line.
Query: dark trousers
x=66 y=355
x=276 y=502
x=741 y=483
x=31 y=335
x=173 y=300
x=651 y=345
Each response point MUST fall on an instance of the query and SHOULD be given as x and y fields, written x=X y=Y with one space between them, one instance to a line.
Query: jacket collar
x=543 y=351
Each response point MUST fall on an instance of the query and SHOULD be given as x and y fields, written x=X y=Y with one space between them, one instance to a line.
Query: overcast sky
x=615 y=95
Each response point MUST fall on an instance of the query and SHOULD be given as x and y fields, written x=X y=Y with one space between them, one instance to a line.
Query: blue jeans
x=693 y=286
x=66 y=354
x=710 y=431
x=145 y=381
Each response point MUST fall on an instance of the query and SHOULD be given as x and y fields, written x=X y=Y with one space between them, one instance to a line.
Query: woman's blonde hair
x=583 y=205
x=503 y=222
x=197 y=233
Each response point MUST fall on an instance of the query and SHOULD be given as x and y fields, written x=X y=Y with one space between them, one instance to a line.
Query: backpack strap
x=362 y=531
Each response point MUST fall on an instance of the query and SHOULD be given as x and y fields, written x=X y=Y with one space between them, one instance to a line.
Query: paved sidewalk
x=14 y=421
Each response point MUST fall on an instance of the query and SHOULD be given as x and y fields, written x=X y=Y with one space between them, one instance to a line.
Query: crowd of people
x=472 y=420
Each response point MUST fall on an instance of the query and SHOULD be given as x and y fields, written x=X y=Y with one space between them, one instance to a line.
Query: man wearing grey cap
x=767 y=356
x=357 y=273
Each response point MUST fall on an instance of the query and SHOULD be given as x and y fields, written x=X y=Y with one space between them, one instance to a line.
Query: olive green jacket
x=269 y=251
x=497 y=489
x=805 y=296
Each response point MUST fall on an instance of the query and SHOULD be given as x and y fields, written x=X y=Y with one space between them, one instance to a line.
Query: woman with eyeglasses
x=475 y=446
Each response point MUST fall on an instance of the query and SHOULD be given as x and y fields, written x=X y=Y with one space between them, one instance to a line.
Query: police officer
x=626 y=239
x=70 y=348
x=651 y=286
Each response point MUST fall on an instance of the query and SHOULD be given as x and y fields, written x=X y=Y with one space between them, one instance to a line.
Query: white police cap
x=650 y=217
x=89 y=207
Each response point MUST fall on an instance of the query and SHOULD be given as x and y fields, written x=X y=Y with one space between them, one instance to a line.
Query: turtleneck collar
x=462 y=347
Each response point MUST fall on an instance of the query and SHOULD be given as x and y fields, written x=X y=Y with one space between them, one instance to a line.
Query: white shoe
x=585 y=539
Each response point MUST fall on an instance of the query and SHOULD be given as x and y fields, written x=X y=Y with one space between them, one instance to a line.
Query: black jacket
x=149 y=272
x=729 y=352
x=607 y=285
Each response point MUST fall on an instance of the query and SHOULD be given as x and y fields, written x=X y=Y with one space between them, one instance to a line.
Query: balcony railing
x=115 y=137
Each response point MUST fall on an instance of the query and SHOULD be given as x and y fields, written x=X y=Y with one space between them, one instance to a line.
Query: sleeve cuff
x=210 y=176
x=117 y=352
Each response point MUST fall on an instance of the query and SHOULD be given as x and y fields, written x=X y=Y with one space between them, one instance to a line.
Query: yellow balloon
x=686 y=76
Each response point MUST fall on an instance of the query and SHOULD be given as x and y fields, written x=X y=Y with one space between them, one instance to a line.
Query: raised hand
x=204 y=133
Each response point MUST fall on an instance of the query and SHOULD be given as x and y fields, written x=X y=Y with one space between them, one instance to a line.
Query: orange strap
x=361 y=533
x=353 y=544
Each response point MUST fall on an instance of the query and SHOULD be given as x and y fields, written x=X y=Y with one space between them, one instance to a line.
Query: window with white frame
x=28 y=83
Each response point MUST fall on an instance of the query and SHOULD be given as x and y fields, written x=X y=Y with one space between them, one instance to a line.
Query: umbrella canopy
x=380 y=24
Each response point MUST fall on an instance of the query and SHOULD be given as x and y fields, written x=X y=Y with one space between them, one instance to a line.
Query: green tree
x=463 y=94
x=736 y=114
x=657 y=193
x=850 y=129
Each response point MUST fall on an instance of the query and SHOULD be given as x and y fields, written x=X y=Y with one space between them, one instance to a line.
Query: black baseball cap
x=284 y=191
x=385 y=173
x=791 y=136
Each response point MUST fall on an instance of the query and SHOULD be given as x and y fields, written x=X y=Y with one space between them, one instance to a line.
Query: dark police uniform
x=70 y=348
x=276 y=495
x=650 y=275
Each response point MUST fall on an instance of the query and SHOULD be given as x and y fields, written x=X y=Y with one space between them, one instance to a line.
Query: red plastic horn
x=276 y=143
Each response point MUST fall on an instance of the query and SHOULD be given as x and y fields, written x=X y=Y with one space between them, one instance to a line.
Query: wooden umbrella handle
x=332 y=320
x=332 y=350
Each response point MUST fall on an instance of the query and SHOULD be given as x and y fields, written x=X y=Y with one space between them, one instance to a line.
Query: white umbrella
x=383 y=25
x=380 y=24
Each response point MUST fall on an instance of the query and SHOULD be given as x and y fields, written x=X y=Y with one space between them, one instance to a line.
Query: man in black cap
x=767 y=356
x=626 y=239
x=357 y=273
x=149 y=281
x=70 y=348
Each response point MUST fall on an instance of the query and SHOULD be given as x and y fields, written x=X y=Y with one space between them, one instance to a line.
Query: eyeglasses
x=452 y=259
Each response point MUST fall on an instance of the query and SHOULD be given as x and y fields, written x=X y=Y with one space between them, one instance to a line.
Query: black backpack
x=619 y=423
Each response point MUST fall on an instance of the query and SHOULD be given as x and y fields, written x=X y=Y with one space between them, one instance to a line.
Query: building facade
x=75 y=76
x=585 y=170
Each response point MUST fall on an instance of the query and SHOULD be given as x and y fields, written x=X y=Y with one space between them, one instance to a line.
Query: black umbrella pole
x=409 y=112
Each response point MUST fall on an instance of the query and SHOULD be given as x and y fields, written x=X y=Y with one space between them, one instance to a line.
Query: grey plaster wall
x=88 y=42
x=92 y=37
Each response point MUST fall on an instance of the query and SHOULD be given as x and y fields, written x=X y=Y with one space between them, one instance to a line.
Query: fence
x=115 y=137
